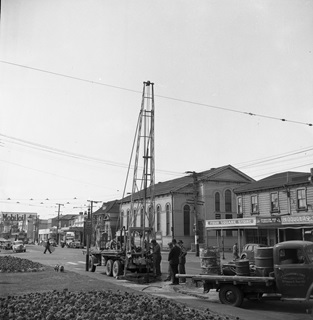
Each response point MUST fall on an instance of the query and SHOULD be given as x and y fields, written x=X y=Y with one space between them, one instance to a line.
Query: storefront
x=268 y=230
x=248 y=230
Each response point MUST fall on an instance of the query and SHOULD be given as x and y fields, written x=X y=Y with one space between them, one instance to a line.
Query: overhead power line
x=160 y=96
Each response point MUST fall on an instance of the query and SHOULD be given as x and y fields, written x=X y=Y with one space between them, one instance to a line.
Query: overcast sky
x=71 y=79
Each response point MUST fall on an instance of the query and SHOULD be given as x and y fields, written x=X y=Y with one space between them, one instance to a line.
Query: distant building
x=19 y=225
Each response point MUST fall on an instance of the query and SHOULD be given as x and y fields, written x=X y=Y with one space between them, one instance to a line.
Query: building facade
x=182 y=206
x=274 y=209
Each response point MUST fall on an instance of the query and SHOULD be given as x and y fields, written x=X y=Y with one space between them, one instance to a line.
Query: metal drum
x=264 y=264
x=210 y=261
x=242 y=267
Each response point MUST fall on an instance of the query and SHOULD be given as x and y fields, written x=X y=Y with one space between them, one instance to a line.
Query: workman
x=156 y=254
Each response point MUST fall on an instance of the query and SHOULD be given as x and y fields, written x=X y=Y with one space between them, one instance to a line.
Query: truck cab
x=293 y=268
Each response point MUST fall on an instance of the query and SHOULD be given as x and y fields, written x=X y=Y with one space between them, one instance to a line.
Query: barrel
x=242 y=267
x=210 y=261
x=263 y=257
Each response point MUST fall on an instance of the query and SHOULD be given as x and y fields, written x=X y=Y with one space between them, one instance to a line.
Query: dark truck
x=128 y=253
x=286 y=275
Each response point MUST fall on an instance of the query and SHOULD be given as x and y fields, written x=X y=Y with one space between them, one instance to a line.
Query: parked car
x=53 y=243
x=18 y=246
x=5 y=244
x=76 y=244
x=249 y=250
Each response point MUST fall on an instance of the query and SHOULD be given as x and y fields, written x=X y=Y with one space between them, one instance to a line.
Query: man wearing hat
x=182 y=260
x=156 y=254
x=173 y=259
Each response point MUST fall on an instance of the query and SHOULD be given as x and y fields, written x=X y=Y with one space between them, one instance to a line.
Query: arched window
x=150 y=217
x=141 y=217
x=186 y=220
x=122 y=219
x=158 y=218
x=127 y=218
x=168 y=219
x=227 y=201
x=217 y=202
x=135 y=218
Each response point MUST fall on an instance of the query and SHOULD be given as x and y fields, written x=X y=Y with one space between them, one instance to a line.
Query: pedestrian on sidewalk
x=173 y=258
x=47 y=246
x=182 y=260
x=169 y=270
x=156 y=256
x=235 y=251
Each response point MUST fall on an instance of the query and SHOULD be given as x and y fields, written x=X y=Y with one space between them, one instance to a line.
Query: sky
x=71 y=78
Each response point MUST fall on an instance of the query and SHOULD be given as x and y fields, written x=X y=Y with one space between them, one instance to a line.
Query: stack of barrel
x=210 y=260
x=264 y=263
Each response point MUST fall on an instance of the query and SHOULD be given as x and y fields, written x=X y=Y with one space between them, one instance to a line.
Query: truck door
x=293 y=272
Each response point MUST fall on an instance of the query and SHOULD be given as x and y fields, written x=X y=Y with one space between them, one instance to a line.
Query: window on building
x=254 y=204
x=217 y=202
x=227 y=201
x=168 y=219
x=186 y=220
x=127 y=218
x=217 y=216
x=135 y=218
x=274 y=202
x=122 y=218
x=150 y=216
x=239 y=207
x=158 y=218
x=141 y=217
x=301 y=199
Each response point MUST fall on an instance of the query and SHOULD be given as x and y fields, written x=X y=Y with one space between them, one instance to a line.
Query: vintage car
x=76 y=244
x=248 y=251
x=53 y=243
x=18 y=246
x=5 y=244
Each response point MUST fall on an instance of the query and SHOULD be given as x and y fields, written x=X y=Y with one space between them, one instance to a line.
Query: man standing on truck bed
x=173 y=259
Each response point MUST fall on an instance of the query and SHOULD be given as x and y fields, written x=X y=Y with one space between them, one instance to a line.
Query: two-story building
x=271 y=210
x=105 y=223
x=183 y=205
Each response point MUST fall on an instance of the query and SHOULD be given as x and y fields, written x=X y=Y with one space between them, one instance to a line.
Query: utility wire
x=160 y=96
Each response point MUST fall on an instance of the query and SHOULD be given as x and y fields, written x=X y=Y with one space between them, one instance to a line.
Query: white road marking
x=74 y=263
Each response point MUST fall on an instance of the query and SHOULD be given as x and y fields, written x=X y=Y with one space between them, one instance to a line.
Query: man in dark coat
x=47 y=246
x=173 y=259
x=156 y=253
x=182 y=260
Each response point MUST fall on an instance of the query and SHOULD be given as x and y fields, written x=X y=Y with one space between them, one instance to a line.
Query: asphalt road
x=74 y=260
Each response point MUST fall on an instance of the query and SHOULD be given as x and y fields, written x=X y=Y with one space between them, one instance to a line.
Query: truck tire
x=109 y=268
x=231 y=295
x=117 y=268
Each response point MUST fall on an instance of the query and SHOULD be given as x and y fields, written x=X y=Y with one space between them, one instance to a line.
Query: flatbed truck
x=289 y=278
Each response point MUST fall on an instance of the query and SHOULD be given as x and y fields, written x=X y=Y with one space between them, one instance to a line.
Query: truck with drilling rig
x=284 y=272
x=128 y=253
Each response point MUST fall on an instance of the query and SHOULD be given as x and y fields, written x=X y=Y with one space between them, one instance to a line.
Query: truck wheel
x=109 y=268
x=231 y=295
x=117 y=268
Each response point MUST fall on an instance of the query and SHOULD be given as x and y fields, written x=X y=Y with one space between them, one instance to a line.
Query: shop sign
x=308 y=219
x=268 y=221
x=220 y=223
